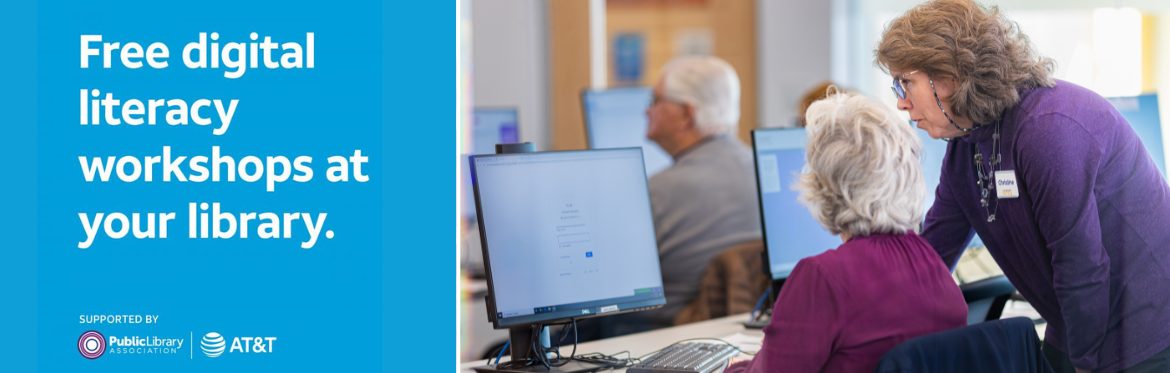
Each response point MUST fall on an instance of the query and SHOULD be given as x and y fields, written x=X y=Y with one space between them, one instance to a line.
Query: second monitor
x=791 y=233
x=616 y=118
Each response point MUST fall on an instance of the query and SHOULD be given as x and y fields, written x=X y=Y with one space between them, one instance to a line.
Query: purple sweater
x=840 y=311
x=1087 y=241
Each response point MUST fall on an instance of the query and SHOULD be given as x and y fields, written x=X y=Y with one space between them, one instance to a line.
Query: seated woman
x=840 y=311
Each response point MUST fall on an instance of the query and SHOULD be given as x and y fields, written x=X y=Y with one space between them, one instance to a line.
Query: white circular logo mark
x=212 y=344
x=91 y=344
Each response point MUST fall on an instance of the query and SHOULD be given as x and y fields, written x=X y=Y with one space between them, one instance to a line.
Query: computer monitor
x=566 y=235
x=490 y=126
x=616 y=118
x=791 y=233
x=493 y=125
x=1142 y=113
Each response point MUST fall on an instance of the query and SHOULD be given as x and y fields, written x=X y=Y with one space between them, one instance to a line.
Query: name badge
x=1005 y=184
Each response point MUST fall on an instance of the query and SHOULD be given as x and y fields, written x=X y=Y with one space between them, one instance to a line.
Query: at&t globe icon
x=212 y=344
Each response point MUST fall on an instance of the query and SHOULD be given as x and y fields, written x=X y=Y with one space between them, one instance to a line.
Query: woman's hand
x=743 y=357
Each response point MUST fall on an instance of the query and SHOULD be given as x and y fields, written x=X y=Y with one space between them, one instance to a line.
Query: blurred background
x=526 y=64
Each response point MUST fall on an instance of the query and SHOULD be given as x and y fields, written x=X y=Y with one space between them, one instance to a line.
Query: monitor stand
x=573 y=366
x=765 y=317
x=521 y=337
x=758 y=323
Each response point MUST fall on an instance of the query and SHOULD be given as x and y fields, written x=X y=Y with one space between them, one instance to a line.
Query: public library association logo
x=91 y=344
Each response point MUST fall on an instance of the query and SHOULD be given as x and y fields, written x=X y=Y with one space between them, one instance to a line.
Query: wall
x=795 y=48
x=509 y=65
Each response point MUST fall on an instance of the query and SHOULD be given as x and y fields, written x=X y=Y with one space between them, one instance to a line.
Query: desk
x=644 y=343
x=476 y=332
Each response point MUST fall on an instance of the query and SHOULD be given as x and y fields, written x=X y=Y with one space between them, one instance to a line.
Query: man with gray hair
x=706 y=201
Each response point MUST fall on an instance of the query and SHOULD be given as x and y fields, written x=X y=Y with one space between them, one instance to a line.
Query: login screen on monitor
x=567 y=234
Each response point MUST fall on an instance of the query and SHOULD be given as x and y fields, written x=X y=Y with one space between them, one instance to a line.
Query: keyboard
x=691 y=357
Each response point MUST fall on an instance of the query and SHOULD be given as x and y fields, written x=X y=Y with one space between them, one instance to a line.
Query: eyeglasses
x=660 y=99
x=900 y=91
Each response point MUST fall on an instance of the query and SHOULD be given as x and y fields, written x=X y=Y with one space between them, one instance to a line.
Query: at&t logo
x=215 y=344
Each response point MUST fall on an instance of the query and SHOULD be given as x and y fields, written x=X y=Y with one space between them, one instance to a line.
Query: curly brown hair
x=986 y=54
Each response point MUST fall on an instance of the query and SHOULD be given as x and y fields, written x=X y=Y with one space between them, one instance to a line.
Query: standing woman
x=1048 y=173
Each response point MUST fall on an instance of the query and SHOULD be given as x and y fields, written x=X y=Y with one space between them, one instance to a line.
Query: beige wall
x=568 y=23
x=660 y=24
x=730 y=23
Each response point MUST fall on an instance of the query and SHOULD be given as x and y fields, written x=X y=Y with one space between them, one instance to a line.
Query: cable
x=610 y=361
x=501 y=354
x=760 y=303
x=562 y=361
x=536 y=347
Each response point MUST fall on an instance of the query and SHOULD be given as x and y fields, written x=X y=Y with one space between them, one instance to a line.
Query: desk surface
x=644 y=343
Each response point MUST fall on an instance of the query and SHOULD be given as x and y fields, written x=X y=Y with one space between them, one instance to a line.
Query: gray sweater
x=706 y=202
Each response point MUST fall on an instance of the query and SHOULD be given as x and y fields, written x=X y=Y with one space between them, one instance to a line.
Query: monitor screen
x=616 y=118
x=791 y=233
x=491 y=126
x=566 y=234
x=933 y=151
x=1142 y=113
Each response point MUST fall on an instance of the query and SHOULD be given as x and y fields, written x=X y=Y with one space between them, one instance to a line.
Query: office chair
x=731 y=284
x=986 y=298
x=1008 y=345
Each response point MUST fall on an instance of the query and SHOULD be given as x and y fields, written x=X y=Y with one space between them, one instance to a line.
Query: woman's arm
x=946 y=228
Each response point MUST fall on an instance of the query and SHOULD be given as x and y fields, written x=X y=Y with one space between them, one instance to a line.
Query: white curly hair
x=864 y=173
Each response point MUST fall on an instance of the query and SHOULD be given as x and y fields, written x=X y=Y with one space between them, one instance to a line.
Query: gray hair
x=710 y=85
x=864 y=174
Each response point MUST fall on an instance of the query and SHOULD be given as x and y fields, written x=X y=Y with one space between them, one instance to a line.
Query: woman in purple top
x=1049 y=175
x=841 y=310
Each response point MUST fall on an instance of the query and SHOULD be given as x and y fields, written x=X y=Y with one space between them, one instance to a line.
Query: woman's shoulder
x=1063 y=98
x=864 y=251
